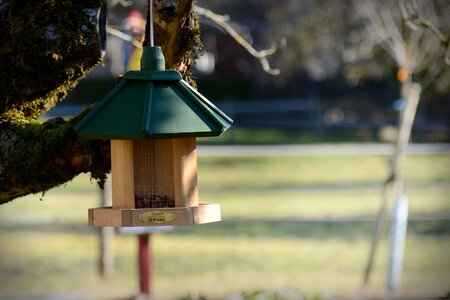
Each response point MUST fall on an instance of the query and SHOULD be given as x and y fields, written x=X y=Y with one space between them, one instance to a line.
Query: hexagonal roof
x=152 y=104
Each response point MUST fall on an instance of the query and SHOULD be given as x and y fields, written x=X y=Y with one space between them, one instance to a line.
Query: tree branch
x=123 y=36
x=37 y=157
x=414 y=20
x=380 y=30
x=261 y=55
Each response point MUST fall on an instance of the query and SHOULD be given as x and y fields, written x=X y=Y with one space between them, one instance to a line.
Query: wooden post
x=122 y=174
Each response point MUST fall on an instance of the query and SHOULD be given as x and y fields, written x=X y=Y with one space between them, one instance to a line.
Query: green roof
x=152 y=104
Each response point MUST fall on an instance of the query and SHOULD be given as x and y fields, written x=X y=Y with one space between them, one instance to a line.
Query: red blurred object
x=144 y=264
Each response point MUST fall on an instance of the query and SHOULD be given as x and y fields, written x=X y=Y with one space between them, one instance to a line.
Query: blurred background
x=299 y=175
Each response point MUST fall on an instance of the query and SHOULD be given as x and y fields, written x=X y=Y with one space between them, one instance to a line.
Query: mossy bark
x=47 y=47
x=36 y=157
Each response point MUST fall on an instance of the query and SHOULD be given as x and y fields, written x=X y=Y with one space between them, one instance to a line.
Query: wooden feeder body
x=152 y=118
x=154 y=173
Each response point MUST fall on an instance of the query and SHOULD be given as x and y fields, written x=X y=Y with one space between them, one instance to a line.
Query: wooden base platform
x=108 y=216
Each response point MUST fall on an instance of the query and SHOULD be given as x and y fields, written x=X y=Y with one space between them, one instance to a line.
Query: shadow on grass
x=48 y=228
x=274 y=188
x=305 y=229
x=258 y=228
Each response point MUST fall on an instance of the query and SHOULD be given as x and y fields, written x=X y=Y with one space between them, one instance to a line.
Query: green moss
x=48 y=141
x=33 y=145
x=47 y=46
x=42 y=156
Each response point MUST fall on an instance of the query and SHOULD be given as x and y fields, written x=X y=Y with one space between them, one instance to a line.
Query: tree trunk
x=35 y=157
x=410 y=93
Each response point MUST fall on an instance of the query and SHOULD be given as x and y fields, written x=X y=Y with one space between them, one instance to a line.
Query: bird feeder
x=152 y=118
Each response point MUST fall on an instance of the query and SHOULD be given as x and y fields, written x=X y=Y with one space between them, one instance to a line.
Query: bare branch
x=123 y=36
x=381 y=28
x=124 y=3
x=261 y=55
x=390 y=25
x=414 y=20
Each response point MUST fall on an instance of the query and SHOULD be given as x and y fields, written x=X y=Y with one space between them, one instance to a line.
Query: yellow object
x=135 y=60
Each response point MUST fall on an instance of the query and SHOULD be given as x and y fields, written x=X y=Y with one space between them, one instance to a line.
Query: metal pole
x=148 y=36
x=150 y=9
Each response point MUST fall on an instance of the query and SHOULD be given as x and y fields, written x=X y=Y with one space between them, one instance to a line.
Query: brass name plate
x=157 y=217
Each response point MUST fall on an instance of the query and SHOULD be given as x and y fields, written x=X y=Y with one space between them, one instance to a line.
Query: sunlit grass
x=218 y=266
x=247 y=173
x=266 y=240
x=323 y=204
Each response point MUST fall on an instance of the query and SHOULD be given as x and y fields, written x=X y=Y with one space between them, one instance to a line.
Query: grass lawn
x=279 y=232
